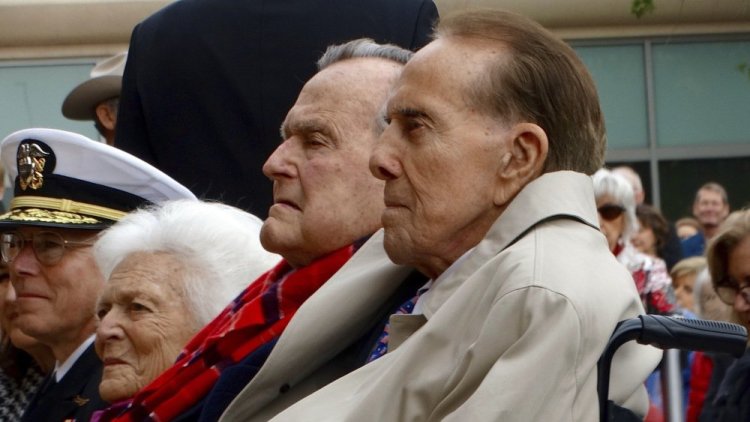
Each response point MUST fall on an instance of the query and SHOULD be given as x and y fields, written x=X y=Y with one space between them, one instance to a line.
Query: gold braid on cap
x=66 y=205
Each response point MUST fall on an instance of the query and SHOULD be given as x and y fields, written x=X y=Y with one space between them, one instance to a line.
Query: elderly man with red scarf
x=326 y=204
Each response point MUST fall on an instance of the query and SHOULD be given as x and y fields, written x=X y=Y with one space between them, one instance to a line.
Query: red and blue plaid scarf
x=258 y=315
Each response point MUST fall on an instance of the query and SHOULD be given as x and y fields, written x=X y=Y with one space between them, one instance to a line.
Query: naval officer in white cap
x=67 y=189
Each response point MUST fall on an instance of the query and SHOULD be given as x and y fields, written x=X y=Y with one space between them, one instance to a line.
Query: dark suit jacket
x=208 y=82
x=75 y=397
x=671 y=251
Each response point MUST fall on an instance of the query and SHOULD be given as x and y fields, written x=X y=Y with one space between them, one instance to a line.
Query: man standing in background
x=208 y=83
x=710 y=208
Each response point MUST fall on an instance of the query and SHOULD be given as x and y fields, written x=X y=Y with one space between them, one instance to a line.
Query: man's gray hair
x=712 y=187
x=361 y=48
x=218 y=246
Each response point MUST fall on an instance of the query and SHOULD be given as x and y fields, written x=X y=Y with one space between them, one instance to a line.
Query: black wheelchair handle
x=667 y=332
x=693 y=334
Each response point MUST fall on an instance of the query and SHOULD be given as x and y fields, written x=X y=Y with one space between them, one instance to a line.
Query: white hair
x=607 y=183
x=632 y=177
x=217 y=245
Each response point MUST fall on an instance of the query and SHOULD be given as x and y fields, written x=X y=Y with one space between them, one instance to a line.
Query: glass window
x=680 y=179
x=31 y=95
x=619 y=74
x=701 y=97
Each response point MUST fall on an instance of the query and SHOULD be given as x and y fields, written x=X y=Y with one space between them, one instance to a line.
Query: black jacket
x=75 y=397
x=732 y=400
x=208 y=82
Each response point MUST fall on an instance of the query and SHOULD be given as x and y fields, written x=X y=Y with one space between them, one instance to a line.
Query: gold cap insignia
x=80 y=401
x=31 y=161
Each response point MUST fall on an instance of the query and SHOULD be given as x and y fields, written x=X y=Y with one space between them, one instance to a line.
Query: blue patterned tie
x=382 y=344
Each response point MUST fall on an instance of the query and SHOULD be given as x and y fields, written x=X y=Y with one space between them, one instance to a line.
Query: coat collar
x=561 y=194
x=326 y=323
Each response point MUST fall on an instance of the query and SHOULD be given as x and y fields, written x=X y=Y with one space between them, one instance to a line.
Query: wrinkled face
x=739 y=271
x=613 y=228
x=683 y=290
x=709 y=208
x=56 y=303
x=144 y=321
x=439 y=157
x=645 y=240
x=324 y=195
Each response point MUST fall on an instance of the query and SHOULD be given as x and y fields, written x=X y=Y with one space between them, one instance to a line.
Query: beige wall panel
x=612 y=18
x=54 y=28
x=75 y=28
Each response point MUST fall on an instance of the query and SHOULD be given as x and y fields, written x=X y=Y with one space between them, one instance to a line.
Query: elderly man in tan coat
x=493 y=129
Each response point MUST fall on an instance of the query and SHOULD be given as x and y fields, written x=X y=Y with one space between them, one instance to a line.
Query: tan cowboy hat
x=105 y=83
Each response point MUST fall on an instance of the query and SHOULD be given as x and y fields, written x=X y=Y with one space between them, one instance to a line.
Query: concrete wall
x=32 y=29
x=86 y=28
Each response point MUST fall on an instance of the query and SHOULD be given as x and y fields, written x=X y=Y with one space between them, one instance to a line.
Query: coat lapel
x=336 y=315
x=73 y=395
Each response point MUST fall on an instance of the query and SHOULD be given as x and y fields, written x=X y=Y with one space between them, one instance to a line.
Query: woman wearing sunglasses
x=617 y=220
x=729 y=264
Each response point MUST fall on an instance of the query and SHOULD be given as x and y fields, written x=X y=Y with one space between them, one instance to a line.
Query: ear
x=106 y=116
x=522 y=162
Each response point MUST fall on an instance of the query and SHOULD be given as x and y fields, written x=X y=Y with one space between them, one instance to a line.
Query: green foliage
x=744 y=68
x=641 y=7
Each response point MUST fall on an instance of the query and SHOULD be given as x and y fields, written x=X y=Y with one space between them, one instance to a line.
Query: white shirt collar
x=62 y=369
x=420 y=300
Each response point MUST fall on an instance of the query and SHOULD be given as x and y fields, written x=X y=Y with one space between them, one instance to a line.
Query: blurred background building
x=674 y=83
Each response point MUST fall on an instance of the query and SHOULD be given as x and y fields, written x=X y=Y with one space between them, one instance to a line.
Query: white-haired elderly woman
x=615 y=202
x=170 y=270
x=617 y=220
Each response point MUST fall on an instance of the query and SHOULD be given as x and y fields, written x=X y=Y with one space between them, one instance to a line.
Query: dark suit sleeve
x=75 y=397
x=423 y=27
x=208 y=82
x=671 y=252
x=133 y=135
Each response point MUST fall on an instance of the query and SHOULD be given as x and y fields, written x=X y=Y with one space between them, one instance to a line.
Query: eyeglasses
x=49 y=247
x=610 y=211
x=729 y=289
